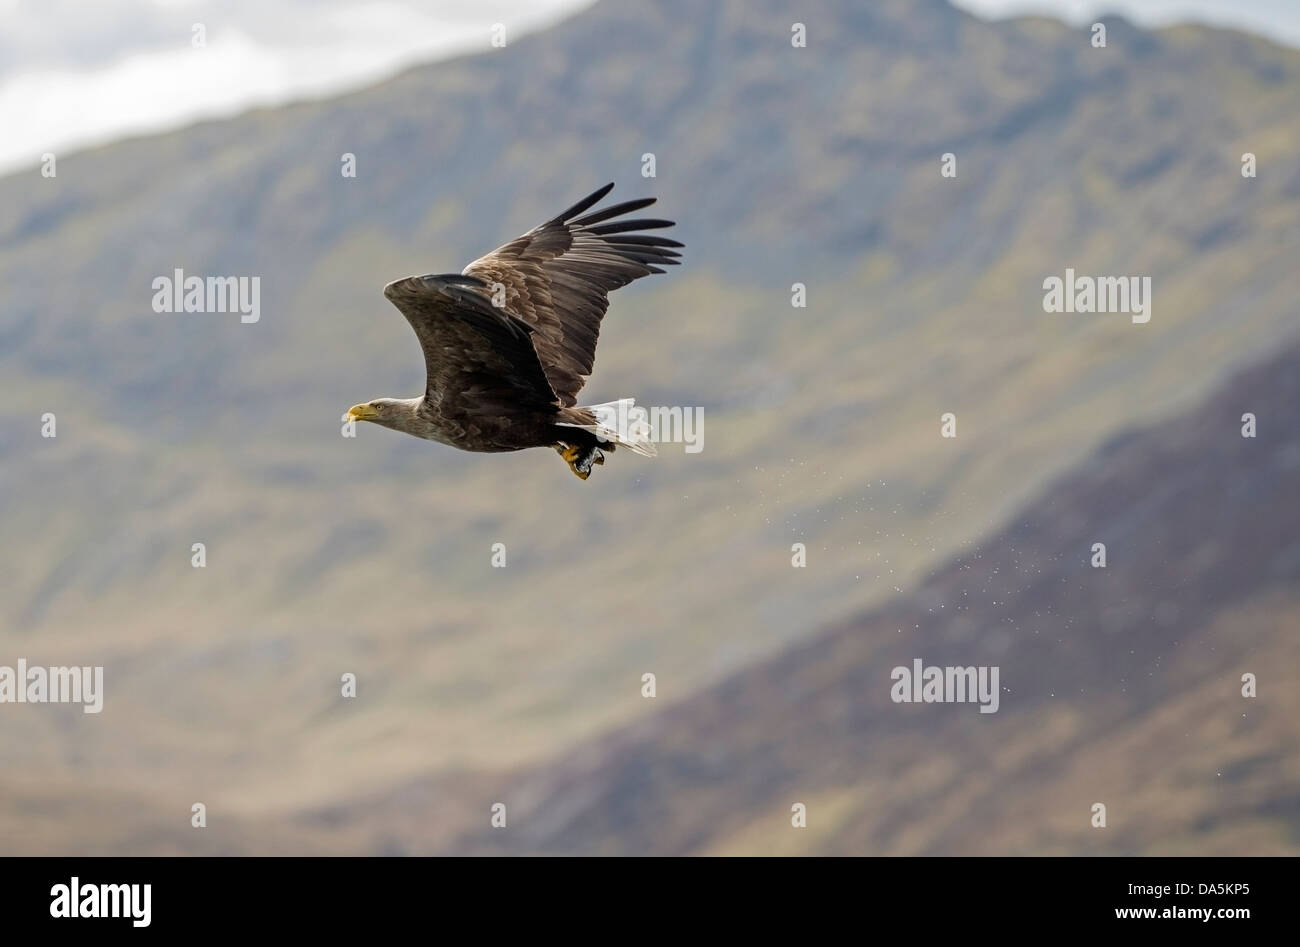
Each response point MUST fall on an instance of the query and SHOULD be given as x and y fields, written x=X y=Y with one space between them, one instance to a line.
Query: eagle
x=510 y=340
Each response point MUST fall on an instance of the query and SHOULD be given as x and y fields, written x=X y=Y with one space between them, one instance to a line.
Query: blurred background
x=523 y=685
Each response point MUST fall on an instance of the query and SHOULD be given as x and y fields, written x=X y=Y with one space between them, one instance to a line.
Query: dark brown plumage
x=509 y=343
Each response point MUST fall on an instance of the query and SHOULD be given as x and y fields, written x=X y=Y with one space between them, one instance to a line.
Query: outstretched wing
x=479 y=360
x=557 y=278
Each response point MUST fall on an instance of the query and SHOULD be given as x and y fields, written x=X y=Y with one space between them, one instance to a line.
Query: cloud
x=1279 y=20
x=75 y=35
x=74 y=74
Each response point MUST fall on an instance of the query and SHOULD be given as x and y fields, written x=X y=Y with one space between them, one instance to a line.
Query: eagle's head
x=396 y=413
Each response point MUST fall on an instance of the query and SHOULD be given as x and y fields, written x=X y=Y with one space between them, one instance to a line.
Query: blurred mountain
x=325 y=556
x=1121 y=685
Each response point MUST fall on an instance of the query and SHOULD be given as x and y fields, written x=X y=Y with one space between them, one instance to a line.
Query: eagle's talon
x=580 y=460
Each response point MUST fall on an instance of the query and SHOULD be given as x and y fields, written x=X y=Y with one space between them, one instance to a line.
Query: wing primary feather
x=623 y=226
x=647 y=258
x=586 y=202
x=641 y=248
x=648 y=240
x=616 y=210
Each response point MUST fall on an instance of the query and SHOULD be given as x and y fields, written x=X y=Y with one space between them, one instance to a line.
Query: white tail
x=621 y=422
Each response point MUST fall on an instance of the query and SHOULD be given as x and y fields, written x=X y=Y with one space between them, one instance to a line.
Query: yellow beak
x=360 y=412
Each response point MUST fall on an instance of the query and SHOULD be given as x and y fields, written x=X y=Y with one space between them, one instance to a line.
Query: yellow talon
x=571 y=456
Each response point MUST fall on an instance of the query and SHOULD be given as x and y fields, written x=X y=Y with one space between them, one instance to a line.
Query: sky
x=75 y=73
x=1277 y=19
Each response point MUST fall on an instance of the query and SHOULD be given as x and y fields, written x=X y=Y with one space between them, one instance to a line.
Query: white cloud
x=1277 y=19
x=74 y=74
